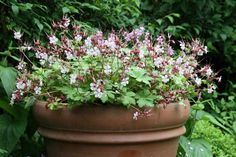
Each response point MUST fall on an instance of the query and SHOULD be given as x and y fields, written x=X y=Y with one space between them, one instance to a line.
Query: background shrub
x=223 y=144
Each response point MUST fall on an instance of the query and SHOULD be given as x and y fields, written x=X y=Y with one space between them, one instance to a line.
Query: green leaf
x=65 y=10
x=29 y=101
x=140 y=75
x=70 y=92
x=88 y=5
x=171 y=19
x=28 y=6
x=198 y=106
x=39 y=25
x=159 y=21
x=8 y=78
x=128 y=99
x=234 y=126
x=7 y=108
x=137 y=2
x=231 y=98
x=11 y=129
x=213 y=120
x=145 y=98
x=4 y=62
x=223 y=36
x=145 y=79
x=111 y=95
x=15 y=9
x=104 y=98
x=2 y=151
x=136 y=72
x=195 y=147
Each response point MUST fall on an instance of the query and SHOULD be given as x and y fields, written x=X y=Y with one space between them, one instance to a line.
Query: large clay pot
x=111 y=131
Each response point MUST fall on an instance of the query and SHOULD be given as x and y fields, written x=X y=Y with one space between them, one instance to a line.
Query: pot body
x=111 y=131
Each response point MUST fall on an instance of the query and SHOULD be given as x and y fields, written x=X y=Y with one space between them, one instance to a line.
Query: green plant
x=211 y=20
x=127 y=68
x=223 y=144
x=223 y=107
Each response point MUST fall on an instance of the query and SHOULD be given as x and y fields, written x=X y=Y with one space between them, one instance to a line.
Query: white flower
x=211 y=89
x=182 y=45
x=66 y=22
x=179 y=60
x=198 y=81
x=141 y=54
x=17 y=35
x=42 y=62
x=93 y=51
x=40 y=82
x=64 y=69
x=170 y=61
x=111 y=44
x=69 y=55
x=135 y=115
x=20 y=85
x=181 y=71
x=219 y=79
x=125 y=81
x=21 y=65
x=44 y=56
x=53 y=39
x=98 y=93
x=190 y=69
x=51 y=60
x=78 y=38
x=95 y=87
x=200 y=53
x=139 y=31
x=107 y=69
x=26 y=46
x=127 y=69
x=165 y=78
x=37 y=90
x=96 y=51
x=88 y=42
x=209 y=72
x=158 y=49
x=205 y=49
x=13 y=97
x=158 y=62
x=73 y=78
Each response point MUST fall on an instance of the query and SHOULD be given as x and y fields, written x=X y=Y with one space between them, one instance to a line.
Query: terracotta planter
x=111 y=131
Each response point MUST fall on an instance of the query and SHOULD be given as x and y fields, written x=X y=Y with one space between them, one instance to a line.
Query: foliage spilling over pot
x=128 y=68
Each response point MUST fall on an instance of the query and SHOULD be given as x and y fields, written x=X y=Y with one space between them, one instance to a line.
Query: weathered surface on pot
x=111 y=131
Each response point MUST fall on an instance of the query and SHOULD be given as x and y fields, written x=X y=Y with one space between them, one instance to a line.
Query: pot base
x=165 y=148
x=161 y=143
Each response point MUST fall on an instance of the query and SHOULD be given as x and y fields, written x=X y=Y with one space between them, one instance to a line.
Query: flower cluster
x=129 y=68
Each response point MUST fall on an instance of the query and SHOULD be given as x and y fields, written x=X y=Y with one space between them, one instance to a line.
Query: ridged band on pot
x=101 y=125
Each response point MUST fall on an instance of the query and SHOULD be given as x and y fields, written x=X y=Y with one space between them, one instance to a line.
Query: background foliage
x=213 y=21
